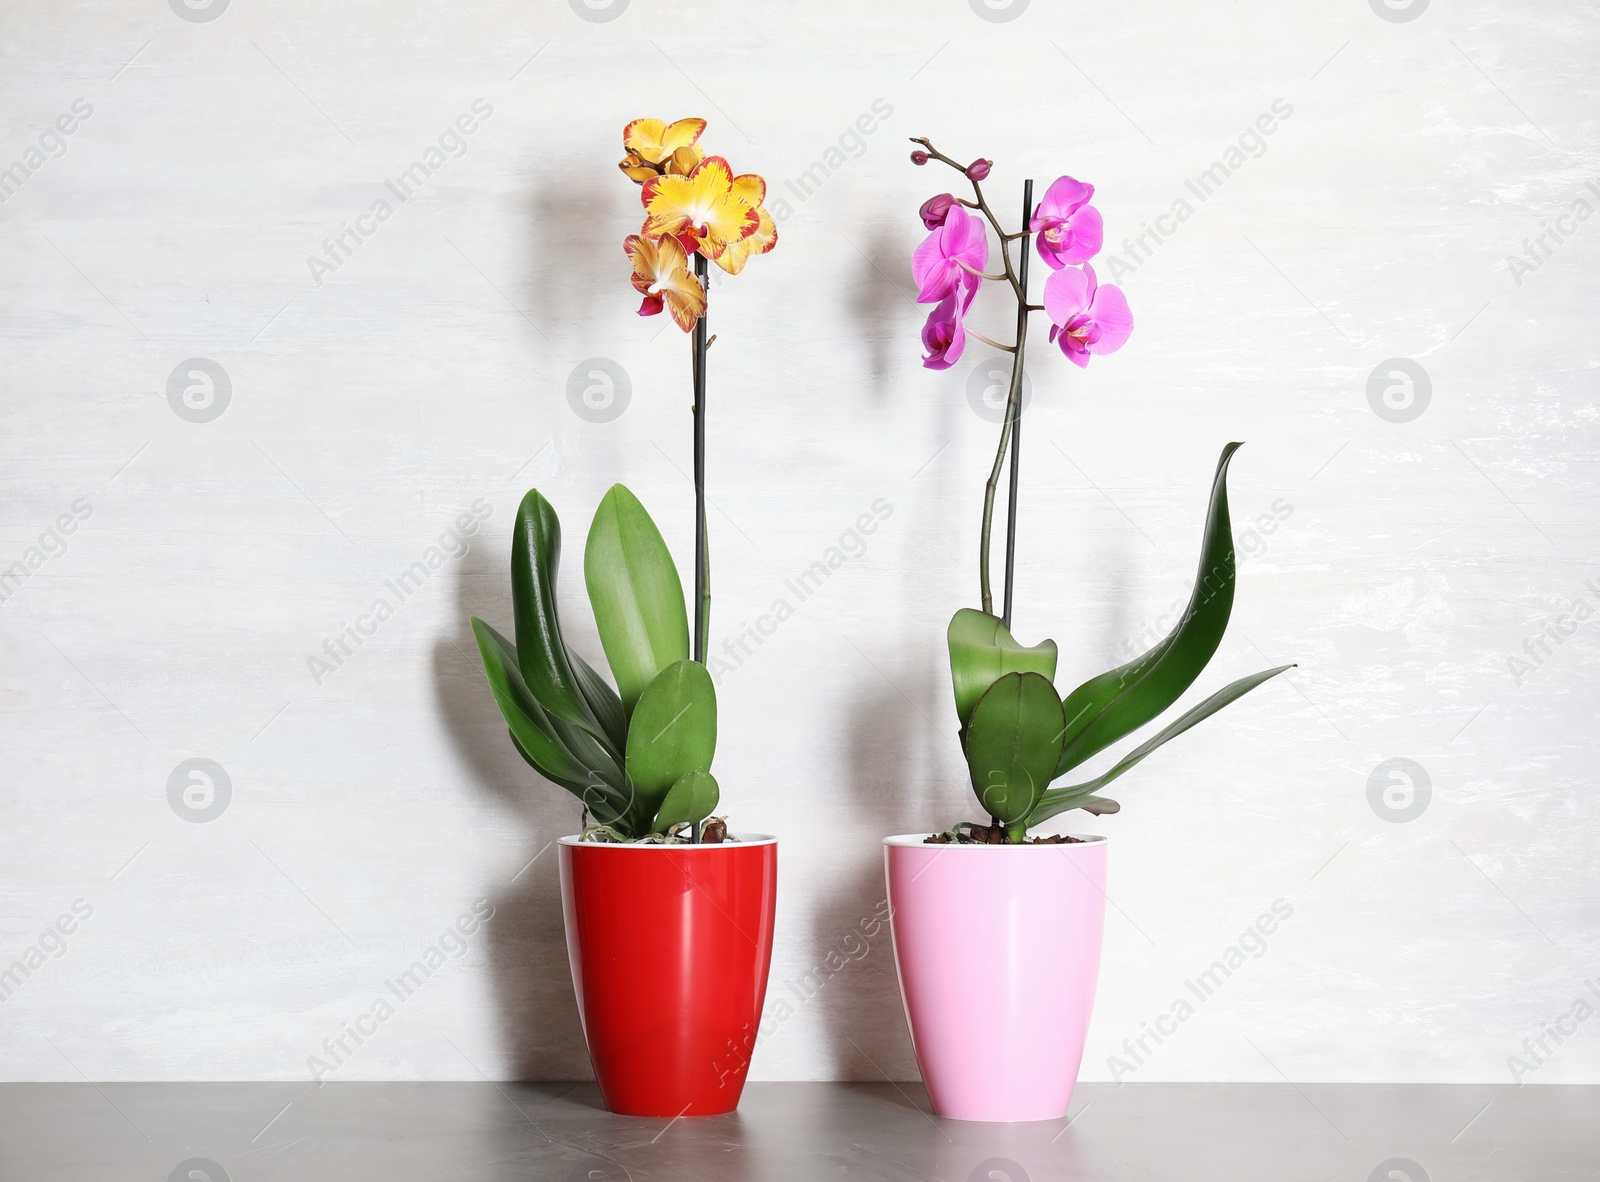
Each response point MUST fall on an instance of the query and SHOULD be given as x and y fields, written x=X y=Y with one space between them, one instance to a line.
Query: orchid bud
x=978 y=170
x=682 y=161
x=636 y=169
x=935 y=209
x=919 y=157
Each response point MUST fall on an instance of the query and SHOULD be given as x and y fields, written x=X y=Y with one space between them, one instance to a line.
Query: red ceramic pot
x=669 y=947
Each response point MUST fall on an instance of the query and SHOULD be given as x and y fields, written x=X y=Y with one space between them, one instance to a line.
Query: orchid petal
x=1113 y=318
x=1061 y=200
x=1075 y=239
x=944 y=335
x=750 y=188
x=1067 y=293
x=943 y=263
x=736 y=254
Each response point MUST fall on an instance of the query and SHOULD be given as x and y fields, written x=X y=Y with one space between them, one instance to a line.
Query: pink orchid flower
x=1070 y=230
x=948 y=259
x=944 y=335
x=1087 y=317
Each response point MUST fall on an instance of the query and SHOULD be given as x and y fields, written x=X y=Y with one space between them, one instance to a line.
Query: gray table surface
x=487 y=1132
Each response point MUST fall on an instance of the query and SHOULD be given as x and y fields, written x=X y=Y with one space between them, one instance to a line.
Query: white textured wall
x=426 y=378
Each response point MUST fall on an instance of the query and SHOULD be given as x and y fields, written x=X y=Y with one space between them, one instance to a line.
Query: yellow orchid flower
x=704 y=210
x=661 y=274
x=655 y=140
x=654 y=147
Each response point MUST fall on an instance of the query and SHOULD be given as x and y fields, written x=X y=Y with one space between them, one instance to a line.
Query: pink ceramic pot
x=998 y=949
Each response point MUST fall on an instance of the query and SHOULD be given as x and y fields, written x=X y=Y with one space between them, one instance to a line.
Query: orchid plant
x=1017 y=734
x=639 y=755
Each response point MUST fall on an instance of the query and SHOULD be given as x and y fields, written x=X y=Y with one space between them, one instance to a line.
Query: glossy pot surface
x=669 y=947
x=998 y=950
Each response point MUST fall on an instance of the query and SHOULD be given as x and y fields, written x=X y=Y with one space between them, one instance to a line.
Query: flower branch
x=972 y=332
x=950 y=267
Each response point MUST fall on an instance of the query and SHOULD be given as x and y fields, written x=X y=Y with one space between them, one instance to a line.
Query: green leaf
x=542 y=655
x=1012 y=743
x=603 y=701
x=691 y=799
x=981 y=650
x=1058 y=800
x=635 y=592
x=1050 y=804
x=673 y=732
x=1100 y=806
x=590 y=752
x=1117 y=703
x=529 y=724
x=559 y=751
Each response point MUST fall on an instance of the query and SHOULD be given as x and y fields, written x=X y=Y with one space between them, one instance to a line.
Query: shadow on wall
x=577 y=249
x=540 y=1032
x=882 y=299
x=1117 y=644
x=850 y=975
x=897 y=776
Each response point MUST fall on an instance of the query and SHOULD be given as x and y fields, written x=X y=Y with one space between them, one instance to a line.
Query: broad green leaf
x=528 y=722
x=1117 y=703
x=673 y=732
x=573 y=786
x=563 y=753
x=1058 y=800
x=603 y=701
x=591 y=752
x=692 y=798
x=635 y=592
x=1012 y=742
x=981 y=650
x=542 y=655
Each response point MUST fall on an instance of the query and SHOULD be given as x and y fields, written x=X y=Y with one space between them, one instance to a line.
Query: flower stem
x=971 y=270
x=1012 y=425
x=988 y=511
x=972 y=332
x=1014 y=402
x=702 y=545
